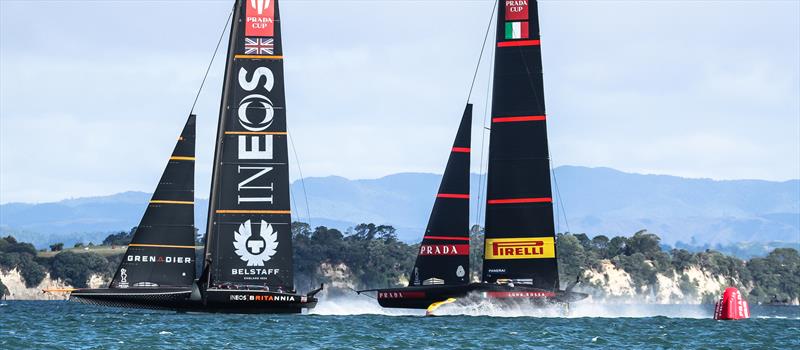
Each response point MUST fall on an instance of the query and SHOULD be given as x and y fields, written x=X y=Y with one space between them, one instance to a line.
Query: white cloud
x=706 y=89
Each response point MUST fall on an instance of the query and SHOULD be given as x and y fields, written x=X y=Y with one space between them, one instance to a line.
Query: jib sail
x=444 y=253
x=249 y=240
x=520 y=235
x=161 y=252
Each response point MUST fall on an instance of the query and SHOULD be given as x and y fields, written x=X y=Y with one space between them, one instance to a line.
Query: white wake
x=586 y=308
x=358 y=305
x=365 y=305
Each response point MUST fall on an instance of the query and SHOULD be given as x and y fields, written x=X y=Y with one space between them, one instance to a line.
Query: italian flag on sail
x=516 y=30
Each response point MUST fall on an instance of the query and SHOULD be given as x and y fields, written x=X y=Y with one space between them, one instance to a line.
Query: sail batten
x=519 y=228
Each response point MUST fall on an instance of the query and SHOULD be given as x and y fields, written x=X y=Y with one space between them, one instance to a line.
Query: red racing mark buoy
x=731 y=306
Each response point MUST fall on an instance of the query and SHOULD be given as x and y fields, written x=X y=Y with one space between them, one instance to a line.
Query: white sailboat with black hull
x=248 y=265
x=520 y=261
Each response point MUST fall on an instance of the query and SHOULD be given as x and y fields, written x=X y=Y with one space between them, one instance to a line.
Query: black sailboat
x=158 y=267
x=442 y=266
x=520 y=261
x=247 y=261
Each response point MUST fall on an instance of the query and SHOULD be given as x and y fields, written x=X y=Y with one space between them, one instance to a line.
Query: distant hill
x=607 y=201
x=596 y=201
x=88 y=219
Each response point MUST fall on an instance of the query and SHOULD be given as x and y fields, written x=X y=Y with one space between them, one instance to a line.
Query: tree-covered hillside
x=73 y=268
x=371 y=256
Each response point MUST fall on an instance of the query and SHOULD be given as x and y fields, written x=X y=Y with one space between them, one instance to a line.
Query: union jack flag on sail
x=259 y=46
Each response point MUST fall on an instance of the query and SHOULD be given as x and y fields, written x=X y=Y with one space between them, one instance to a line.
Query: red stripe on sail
x=521 y=200
x=446 y=238
x=525 y=118
x=461 y=149
x=518 y=43
x=452 y=195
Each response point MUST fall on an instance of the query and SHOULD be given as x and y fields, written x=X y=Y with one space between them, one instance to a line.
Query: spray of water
x=587 y=308
x=358 y=305
x=363 y=305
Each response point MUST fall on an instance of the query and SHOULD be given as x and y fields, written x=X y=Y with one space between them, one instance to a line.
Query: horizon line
x=402 y=173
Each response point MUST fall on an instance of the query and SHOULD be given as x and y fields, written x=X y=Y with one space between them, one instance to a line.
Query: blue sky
x=93 y=93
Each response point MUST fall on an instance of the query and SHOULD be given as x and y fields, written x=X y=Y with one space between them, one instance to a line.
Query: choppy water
x=357 y=323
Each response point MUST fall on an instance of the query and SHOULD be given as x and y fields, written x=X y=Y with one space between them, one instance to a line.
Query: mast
x=520 y=233
x=161 y=252
x=249 y=238
x=207 y=238
x=444 y=253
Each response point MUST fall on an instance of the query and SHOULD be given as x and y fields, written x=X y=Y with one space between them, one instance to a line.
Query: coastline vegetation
x=370 y=255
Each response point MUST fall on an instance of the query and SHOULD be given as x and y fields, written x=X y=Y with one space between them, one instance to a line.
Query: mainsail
x=248 y=247
x=444 y=253
x=520 y=234
x=161 y=252
x=249 y=239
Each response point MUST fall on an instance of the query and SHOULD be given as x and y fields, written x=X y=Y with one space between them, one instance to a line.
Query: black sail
x=444 y=253
x=520 y=234
x=161 y=252
x=249 y=240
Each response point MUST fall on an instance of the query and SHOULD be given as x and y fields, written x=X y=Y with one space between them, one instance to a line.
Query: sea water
x=358 y=323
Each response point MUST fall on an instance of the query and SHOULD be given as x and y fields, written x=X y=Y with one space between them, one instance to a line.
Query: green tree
x=682 y=259
x=29 y=269
x=372 y=252
x=21 y=256
x=777 y=276
x=371 y=231
x=57 y=247
x=301 y=229
x=584 y=240
x=643 y=242
x=722 y=265
x=571 y=256
x=120 y=238
x=642 y=273
x=616 y=247
x=600 y=245
x=662 y=262
x=10 y=245
x=76 y=269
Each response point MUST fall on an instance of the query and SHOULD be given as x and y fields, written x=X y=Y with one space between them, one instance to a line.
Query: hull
x=421 y=297
x=213 y=300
